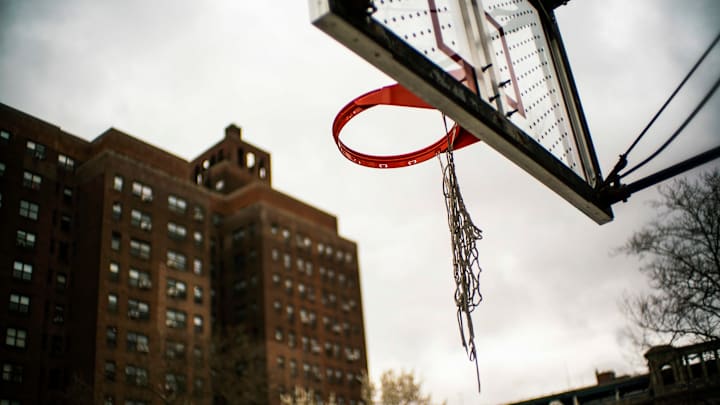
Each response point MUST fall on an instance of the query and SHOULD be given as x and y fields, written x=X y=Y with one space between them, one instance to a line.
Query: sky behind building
x=175 y=73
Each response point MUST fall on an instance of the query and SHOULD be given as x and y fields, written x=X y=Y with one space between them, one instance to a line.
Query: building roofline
x=591 y=390
x=49 y=125
x=258 y=192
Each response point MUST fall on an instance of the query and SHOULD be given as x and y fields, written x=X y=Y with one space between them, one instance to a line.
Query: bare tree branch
x=681 y=250
x=401 y=388
x=237 y=368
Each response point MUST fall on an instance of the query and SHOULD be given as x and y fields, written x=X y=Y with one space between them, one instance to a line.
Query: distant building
x=121 y=259
x=677 y=375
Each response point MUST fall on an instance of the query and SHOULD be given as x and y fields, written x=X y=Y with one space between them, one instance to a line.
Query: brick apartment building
x=121 y=261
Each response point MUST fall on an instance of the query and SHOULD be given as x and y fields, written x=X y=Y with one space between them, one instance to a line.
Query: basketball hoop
x=463 y=233
x=394 y=95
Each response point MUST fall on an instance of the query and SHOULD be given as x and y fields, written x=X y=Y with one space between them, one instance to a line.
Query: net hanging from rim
x=466 y=265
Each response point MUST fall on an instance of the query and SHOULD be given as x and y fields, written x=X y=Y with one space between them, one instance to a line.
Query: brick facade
x=121 y=260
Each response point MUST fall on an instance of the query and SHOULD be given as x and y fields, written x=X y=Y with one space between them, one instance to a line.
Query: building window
x=66 y=162
x=4 y=136
x=176 y=289
x=2 y=169
x=305 y=343
x=112 y=303
x=198 y=387
x=116 y=210
x=175 y=382
x=59 y=315
x=315 y=346
x=31 y=180
x=174 y=350
x=60 y=281
x=198 y=238
x=288 y=286
x=175 y=319
x=137 y=342
x=110 y=370
x=287 y=261
x=278 y=334
x=198 y=354
x=36 y=150
x=138 y=309
x=12 y=372
x=16 y=337
x=111 y=336
x=115 y=241
x=176 y=260
x=141 y=220
x=19 y=303
x=176 y=231
x=67 y=195
x=290 y=310
x=198 y=213
x=114 y=271
x=198 y=323
x=140 y=279
x=291 y=339
x=65 y=222
x=136 y=375
x=117 y=183
x=198 y=294
x=143 y=191
x=197 y=266
x=22 y=271
x=177 y=204
x=140 y=249
x=25 y=239
x=29 y=210
x=238 y=235
x=293 y=368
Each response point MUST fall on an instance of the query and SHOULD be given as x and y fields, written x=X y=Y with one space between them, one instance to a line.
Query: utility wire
x=677 y=131
x=622 y=162
x=690 y=73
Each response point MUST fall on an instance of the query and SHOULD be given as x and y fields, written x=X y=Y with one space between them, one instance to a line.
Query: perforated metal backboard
x=496 y=67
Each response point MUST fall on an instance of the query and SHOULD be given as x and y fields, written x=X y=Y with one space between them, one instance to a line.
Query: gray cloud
x=174 y=74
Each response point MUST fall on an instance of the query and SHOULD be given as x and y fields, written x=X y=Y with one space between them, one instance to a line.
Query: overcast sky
x=175 y=73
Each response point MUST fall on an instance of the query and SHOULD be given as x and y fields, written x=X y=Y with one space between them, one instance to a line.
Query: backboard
x=498 y=68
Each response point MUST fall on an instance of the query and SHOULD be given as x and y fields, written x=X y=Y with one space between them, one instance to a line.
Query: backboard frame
x=350 y=23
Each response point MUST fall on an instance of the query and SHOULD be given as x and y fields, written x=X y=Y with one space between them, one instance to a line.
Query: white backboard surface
x=496 y=67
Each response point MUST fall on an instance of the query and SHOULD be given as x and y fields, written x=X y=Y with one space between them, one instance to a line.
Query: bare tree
x=79 y=391
x=237 y=365
x=367 y=390
x=300 y=396
x=401 y=388
x=681 y=251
